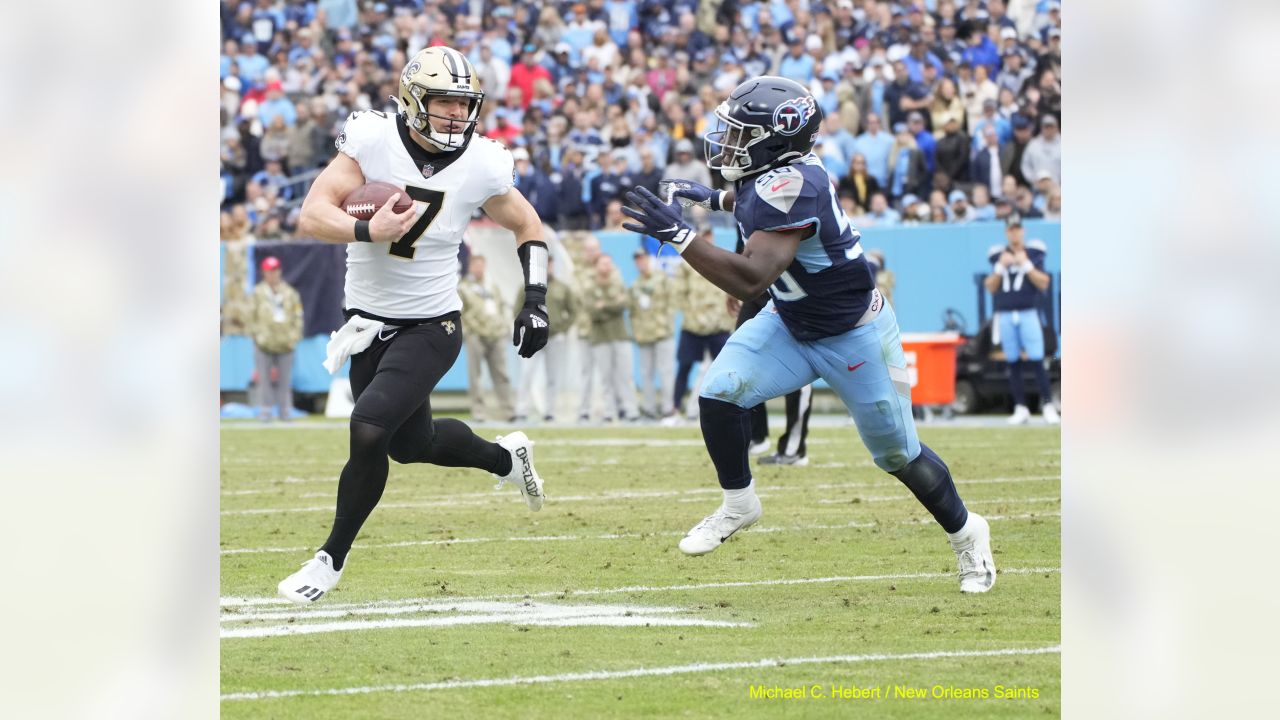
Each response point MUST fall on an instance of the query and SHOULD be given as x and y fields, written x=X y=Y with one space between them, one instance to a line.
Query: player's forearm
x=728 y=271
x=992 y=282
x=727 y=200
x=326 y=222
x=1039 y=278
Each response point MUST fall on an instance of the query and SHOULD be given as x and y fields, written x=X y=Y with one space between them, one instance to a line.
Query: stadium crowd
x=937 y=111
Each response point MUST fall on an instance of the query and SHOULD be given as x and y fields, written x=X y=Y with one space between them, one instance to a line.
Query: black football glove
x=533 y=326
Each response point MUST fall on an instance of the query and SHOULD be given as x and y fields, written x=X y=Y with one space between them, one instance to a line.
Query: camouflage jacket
x=652 y=310
x=276 y=320
x=606 y=305
x=236 y=305
x=562 y=305
x=484 y=314
x=703 y=304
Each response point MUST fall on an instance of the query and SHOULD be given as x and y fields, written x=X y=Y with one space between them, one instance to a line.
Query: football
x=365 y=200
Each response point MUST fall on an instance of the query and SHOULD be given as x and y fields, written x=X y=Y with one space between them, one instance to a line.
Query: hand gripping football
x=365 y=200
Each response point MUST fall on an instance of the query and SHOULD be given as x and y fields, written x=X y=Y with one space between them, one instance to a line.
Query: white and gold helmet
x=439 y=71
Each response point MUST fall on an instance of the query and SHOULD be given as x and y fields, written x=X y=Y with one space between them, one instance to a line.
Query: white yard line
x=471 y=612
x=489 y=498
x=601 y=536
x=643 y=672
x=292 y=611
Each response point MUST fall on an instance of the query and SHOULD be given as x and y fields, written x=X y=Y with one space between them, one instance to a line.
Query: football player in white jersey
x=404 y=331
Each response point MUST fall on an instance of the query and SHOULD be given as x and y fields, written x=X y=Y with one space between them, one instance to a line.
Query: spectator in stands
x=946 y=104
x=987 y=168
x=275 y=140
x=880 y=214
x=605 y=301
x=685 y=166
x=875 y=145
x=1012 y=155
x=953 y=148
x=275 y=323
x=609 y=185
x=961 y=210
x=486 y=322
x=574 y=214
x=553 y=361
x=649 y=174
x=924 y=141
x=652 y=323
x=1053 y=208
x=706 y=326
x=1044 y=152
x=859 y=184
x=272 y=176
x=906 y=163
x=276 y=104
x=1004 y=129
x=983 y=210
x=1024 y=204
x=536 y=187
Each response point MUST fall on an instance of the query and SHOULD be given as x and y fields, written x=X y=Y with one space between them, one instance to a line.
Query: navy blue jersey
x=827 y=287
x=1016 y=292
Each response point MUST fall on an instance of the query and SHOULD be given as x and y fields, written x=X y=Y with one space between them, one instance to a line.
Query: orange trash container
x=931 y=366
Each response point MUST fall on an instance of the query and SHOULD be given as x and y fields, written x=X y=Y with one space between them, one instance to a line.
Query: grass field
x=459 y=602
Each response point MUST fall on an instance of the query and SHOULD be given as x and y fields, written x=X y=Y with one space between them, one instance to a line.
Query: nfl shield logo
x=428 y=170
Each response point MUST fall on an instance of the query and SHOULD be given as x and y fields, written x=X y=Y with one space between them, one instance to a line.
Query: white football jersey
x=417 y=276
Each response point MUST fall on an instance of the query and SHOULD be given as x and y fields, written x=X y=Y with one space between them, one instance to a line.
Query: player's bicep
x=512 y=211
x=339 y=178
x=770 y=252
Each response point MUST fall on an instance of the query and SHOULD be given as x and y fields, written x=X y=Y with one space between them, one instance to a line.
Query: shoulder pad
x=1037 y=246
x=359 y=125
x=993 y=252
x=781 y=187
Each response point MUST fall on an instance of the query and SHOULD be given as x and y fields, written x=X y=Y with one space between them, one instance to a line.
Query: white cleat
x=1021 y=415
x=760 y=448
x=309 y=584
x=1051 y=414
x=716 y=528
x=522 y=474
x=972 y=546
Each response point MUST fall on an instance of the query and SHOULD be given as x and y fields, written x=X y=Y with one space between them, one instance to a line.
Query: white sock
x=741 y=501
x=961 y=536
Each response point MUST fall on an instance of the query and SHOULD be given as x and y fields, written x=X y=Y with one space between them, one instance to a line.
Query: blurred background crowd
x=937 y=111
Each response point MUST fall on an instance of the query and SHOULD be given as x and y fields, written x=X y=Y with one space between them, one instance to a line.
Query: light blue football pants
x=865 y=367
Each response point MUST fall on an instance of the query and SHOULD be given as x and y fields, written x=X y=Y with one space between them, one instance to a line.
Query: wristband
x=536 y=295
x=533 y=260
x=683 y=239
x=362 y=231
x=716 y=202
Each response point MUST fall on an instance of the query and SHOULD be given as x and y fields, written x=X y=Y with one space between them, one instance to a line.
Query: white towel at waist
x=352 y=338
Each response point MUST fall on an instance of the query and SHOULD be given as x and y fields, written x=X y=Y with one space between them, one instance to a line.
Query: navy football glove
x=692 y=192
x=664 y=221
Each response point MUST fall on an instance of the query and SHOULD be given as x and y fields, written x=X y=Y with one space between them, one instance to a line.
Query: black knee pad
x=368 y=440
x=412 y=447
x=925 y=474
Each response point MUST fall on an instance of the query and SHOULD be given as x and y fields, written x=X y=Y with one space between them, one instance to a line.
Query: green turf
x=615 y=512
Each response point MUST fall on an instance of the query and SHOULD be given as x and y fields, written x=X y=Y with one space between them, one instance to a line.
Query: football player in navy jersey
x=1017 y=277
x=826 y=319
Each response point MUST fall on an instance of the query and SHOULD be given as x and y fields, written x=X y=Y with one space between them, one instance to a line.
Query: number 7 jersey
x=827 y=287
x=416 y=277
